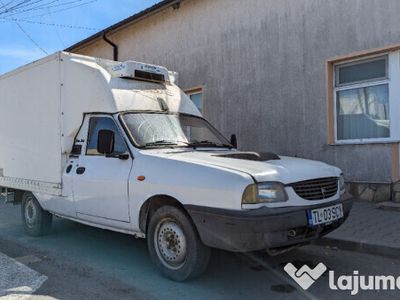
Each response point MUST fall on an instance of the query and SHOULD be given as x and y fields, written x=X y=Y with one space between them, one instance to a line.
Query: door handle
x=80 y=170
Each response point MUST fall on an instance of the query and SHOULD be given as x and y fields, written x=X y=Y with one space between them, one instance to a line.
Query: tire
x=37 y=222
x=175 y=246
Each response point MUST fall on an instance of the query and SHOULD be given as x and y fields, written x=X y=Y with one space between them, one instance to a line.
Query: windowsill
x=364 y=142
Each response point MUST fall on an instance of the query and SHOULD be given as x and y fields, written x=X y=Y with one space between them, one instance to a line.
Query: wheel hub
x=170 y=243
x=30 y=213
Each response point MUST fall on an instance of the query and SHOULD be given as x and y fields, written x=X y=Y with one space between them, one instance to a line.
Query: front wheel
x=175 y=246
x=37 y=222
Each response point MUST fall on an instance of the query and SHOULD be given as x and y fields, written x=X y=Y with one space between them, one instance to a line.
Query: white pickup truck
x=117 y=145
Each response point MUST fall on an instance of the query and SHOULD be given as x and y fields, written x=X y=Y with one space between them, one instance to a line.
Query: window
x=172 y=130
x=196 y=95
x=364 y=70
x=95 y=125
x=363 y=101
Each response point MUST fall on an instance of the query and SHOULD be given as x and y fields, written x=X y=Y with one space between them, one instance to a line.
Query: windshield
x=169 y=130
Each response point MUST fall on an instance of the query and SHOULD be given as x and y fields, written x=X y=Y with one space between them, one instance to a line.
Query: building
x=307 y=78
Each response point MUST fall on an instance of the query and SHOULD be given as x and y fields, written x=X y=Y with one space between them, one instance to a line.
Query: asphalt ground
x=81 y=262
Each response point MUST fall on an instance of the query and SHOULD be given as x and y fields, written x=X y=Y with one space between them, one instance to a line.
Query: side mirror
x=105 y=141
x=234 y=140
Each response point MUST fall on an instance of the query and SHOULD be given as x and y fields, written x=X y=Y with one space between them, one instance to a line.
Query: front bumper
x=260 y=229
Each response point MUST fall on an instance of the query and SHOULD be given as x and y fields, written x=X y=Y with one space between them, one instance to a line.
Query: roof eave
x=117 y=26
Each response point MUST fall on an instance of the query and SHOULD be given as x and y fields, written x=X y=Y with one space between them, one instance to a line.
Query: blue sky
x=17 y=49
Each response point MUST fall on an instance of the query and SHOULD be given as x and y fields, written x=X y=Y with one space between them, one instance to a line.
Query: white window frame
x=393 y=81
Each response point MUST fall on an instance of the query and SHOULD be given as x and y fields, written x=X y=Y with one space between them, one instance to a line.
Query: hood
x=283 y=169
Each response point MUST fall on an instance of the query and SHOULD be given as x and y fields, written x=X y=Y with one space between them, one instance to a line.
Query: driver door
x=100 y=183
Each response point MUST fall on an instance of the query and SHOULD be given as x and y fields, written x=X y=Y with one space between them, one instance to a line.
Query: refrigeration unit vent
x=140 y=71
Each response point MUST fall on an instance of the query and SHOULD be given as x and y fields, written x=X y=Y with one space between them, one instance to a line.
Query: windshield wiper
x=165 y=143
x=194 y=144
x=206 y=143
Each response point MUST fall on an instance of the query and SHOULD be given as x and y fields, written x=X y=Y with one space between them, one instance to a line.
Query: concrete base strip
x=18 y=279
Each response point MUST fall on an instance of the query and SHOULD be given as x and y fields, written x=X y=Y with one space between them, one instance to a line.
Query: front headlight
x=342 y=186
x=265 y=192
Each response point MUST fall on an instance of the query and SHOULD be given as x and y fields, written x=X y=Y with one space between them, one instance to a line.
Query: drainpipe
x=113 y=45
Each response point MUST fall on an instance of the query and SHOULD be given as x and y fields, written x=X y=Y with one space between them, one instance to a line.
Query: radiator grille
x=316 y=189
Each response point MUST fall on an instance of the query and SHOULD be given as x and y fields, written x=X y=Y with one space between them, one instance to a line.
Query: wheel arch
x=154 y=203
x=40 y=222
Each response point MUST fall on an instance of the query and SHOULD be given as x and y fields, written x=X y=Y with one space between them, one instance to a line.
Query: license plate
x=325 y=215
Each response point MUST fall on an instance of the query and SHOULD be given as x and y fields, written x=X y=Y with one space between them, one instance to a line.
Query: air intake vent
x=139 y=71
x=149 y=76
x=256 y=156
x=76 y=150
x=316 y=189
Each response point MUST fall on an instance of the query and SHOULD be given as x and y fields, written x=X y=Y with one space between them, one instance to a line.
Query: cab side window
x=95 y=125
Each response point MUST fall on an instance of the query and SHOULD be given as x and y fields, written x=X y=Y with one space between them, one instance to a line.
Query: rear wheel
x=175 y=246
x=37 y=222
